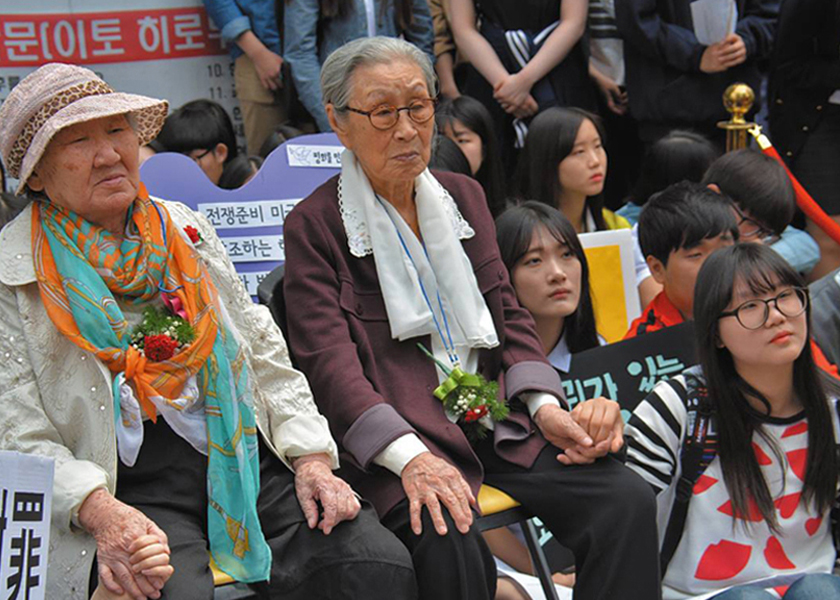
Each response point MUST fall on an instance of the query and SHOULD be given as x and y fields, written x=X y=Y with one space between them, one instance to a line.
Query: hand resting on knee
x=429 y=480
x=315 y=482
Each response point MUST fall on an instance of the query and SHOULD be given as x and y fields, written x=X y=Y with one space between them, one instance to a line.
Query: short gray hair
x=339 y=66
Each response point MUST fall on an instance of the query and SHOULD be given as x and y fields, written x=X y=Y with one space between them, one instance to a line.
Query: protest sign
x=25 y=505
x=612 y=281
x=249 y=220
x=627 y=371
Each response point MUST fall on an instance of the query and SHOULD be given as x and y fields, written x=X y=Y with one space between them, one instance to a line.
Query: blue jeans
x=809 y=587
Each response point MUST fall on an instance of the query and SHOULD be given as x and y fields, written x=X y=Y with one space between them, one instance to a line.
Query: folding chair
x=500 y=510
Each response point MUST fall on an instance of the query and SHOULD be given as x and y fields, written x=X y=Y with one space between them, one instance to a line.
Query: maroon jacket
x=372 y=388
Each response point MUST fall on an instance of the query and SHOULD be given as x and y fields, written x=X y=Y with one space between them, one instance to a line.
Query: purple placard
x=249 y=220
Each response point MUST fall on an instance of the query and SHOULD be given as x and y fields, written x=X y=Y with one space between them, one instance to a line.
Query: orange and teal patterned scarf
x=82 y=269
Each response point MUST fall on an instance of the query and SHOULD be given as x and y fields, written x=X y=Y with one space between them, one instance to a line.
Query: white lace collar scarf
x=355 y=225
x=439 y=263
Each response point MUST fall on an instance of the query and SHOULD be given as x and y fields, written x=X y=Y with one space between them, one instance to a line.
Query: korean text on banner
x=25 y=508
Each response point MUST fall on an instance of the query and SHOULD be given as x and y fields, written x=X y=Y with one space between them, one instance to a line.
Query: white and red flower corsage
x=162 y=334
x=470 y=397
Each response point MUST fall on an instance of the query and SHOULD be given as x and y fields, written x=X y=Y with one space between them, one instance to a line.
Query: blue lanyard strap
x=450 y=346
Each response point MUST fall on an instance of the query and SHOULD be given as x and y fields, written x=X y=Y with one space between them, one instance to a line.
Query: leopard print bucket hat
x=56 y=96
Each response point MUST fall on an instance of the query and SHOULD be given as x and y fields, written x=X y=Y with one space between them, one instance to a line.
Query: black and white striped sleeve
x=654 y=434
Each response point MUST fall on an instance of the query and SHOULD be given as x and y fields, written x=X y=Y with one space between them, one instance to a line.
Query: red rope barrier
x=804 y=200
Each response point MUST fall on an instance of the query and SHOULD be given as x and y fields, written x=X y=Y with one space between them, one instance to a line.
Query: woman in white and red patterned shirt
x=757 y=524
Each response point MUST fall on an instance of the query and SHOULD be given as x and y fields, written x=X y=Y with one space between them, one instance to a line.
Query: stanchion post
x=738 y=100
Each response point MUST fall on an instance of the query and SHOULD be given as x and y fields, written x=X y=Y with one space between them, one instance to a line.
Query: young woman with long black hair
x=757 y=524
x=549 y=272
x=564 y=164
x=550 y=275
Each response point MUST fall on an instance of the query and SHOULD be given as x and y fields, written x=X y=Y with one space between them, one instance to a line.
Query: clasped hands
x=592 y=430
x=132 y=551
x=513 y=93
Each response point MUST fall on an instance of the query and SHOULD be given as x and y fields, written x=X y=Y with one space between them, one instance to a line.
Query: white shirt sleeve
x=642 y=270
x=536 y=400
x=400 y=452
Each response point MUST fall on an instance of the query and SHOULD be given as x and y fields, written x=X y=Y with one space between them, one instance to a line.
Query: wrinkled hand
x=315 y=482
x=268 y=65
x=615 y=97
x=513 y=93
x=560 y=428
x=429 y=480
x=725 y=54
x=601 y=419
x=117 y=529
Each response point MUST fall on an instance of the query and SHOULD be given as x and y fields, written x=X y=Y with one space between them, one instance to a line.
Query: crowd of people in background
x=563 y=118
x=631 y=74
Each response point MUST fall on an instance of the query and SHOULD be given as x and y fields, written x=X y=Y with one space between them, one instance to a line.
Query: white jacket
x=56 y=399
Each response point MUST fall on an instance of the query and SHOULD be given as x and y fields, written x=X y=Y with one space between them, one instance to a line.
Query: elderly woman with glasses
x=402 y=316
x=135 y=358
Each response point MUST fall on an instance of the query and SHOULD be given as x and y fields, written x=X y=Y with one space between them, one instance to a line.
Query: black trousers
x=604 y=513
x=359 y=559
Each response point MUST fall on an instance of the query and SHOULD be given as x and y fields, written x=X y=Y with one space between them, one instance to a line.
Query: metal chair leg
x=538 y=560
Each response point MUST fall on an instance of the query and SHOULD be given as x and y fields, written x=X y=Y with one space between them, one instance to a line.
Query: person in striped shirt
x=757 y=522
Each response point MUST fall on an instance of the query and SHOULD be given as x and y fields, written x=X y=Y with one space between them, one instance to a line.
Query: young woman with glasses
x=757 y=524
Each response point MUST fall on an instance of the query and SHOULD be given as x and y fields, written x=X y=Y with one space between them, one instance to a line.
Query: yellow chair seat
x=492 y=500
x=219 y=577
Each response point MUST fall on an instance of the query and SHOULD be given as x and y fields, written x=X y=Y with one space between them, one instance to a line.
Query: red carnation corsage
x=193 y=234
x=161 y=335
x=159 y=347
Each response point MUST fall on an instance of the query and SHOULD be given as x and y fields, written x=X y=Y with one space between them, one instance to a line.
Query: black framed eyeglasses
x=751 y=229
x=384 y=117
x=753 y=314
x=200 y=156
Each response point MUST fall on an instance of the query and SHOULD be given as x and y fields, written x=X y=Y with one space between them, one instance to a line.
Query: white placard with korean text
x=325 y=157
x=255 y=248
x=25 y=508
x=245 y=214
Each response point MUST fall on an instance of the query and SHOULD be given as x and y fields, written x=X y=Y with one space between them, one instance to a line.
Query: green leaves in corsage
x=470 y=397
x=161 y=335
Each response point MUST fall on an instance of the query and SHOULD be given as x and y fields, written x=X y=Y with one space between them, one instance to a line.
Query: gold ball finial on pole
x=738 y=100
